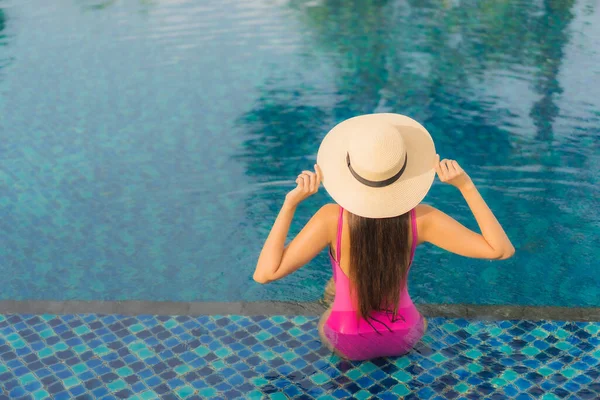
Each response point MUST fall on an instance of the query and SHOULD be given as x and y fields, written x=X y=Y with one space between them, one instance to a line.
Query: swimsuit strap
x=338 y=249
x=415 y=236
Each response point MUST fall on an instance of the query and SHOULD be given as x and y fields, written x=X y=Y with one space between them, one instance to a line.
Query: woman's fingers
x=447 y=166
x=312 y=178
x=306 y=180
x=319 y=175
x=438 y=169
x=455 y=167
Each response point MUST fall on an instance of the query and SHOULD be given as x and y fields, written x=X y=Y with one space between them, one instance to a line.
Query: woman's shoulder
x=423 y=210
x=329 y=212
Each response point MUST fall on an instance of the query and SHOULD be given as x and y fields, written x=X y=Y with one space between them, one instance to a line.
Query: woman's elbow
x=261 y=279
x=508 y=253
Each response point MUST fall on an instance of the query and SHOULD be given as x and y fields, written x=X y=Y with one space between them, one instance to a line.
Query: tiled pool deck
x=258 y=357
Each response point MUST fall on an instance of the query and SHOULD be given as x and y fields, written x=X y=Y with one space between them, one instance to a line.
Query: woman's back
x=384 y=332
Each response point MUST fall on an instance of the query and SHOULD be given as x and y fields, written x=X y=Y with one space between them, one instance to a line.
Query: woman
x=377 y=168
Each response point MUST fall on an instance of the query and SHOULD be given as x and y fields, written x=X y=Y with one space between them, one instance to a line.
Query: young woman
x=377 y=168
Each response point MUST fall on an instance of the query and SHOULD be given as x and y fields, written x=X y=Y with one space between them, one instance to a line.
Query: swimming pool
x=145 y=147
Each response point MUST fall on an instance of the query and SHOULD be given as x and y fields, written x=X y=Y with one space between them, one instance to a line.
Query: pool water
x=146 y=146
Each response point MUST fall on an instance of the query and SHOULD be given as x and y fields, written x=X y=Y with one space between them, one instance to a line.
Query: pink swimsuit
x=352 y=336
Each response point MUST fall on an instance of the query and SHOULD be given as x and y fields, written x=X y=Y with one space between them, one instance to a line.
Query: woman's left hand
x=308 y=183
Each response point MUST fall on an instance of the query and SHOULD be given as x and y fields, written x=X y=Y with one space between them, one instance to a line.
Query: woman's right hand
x=451 y=173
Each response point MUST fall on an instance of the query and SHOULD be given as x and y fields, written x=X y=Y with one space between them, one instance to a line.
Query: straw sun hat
x=377 y=165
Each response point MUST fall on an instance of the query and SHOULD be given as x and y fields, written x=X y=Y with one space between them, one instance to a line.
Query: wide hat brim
x=378 y=202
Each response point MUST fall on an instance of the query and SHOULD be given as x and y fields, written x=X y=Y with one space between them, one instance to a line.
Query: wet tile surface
x=217 y=357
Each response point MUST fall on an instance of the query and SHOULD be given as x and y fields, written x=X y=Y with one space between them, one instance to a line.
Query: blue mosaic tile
x=149 y=357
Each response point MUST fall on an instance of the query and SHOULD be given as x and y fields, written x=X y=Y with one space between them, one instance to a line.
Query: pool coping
x=133 y=307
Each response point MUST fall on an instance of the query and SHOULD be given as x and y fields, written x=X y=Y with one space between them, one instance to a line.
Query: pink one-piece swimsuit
x=353 y=336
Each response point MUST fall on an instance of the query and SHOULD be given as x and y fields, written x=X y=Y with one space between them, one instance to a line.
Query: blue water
x=146 y=146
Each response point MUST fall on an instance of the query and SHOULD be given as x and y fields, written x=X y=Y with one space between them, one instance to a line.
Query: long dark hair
x=379 y=261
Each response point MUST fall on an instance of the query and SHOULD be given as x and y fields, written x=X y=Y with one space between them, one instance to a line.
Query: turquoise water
x=145 y=146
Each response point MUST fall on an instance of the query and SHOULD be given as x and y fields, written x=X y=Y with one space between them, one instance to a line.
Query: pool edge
x=131 y=307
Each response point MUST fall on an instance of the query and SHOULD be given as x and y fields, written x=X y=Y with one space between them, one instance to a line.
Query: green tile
x=135 y=328
x=539 y=333
x=499 y=382
x=289 y=356
x=12 y=337
x=80 y=349
x=41 y=394
x=278 y=396
x=568 y=372
x=258 y=382
x=506 y=349
x=474 y=367
x=400 y=390
x=3 y=368
x=182 y=369
x=592 y=329
x=450 y=327
x=124 y=371
x=495 y=331
x=143 y=354
x=473 y=353
x=71 y=382
x=136 y=346
x=402 y=376
x=402 y=362
x=101 y=350
x=550 y=396
x=149 y=394
x=462 y=387
x=185 y=392
x=563 y=345
x=19 y=344
x=354 y=374
x=218 y=365
x=82 y=329
x=27 y=379
x=262 y=336
x=170 y=324
x=207 y=392
x=545 y=371
x=562 y=334
x=320 y=378
x=255 y=395
x=278 y=319
x=295 y=332
x=79 y=368
x=223 y=352
x=266 y=355
x=299 y=320
x=472 y=329
x=509 y=375
x=367 y=367
x=117 y=385
x=530 y=351
x=438 y=358
x=46 y=352
x=60 y=347
x=202 y=351
x=363 y=395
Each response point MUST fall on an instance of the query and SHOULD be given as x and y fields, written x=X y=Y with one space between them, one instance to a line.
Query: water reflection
x=283 y=128
x=552 y=36
x=5 y=59
x=483 y=77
